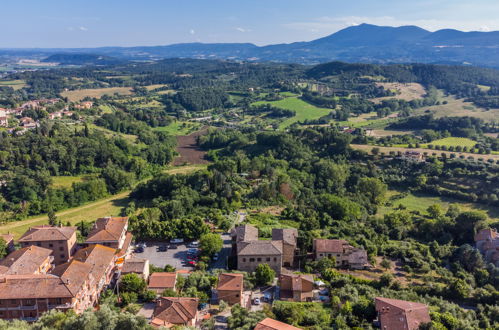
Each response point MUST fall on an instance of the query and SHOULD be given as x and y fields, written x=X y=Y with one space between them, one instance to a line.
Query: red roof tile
x=271 y=324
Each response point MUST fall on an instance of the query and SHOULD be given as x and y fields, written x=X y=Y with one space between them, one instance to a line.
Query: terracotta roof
x=486 y=234
x=294 y=282
x=48 y=233
x=33 y=287
x=98 y=256
x=400 y=313
x=271 y=324
x=259 y=248
x=230 y=282
x=175 y=310
x=25 y=261
x=107 y=229
x=245 y=233
x=287 y=235
x=126 y=244
x=7 y=238
x=329 y=245
x=162 y=280
x=73 y=274
x=134 y=265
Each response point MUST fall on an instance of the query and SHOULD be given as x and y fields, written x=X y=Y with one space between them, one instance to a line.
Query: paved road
x=224 y=254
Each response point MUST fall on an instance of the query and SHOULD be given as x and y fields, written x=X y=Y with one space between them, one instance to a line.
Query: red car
x=192 y=263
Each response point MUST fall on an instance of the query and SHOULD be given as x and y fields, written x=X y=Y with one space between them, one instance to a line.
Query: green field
x=65 y=181
x=303 y=110
x=179 y=128
x=420 y=202
x=453 y=142
x=15 y=84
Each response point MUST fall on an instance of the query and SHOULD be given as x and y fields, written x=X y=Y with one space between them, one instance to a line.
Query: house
x=345 y=254
x=298 y=288
x=136 y=266
x=288 y=236
x=4 y=121
x=84 y=105
x=55 y=115
x=487 y=242
x=27 y=122
x=28 y=260
x=109 y=231
x=413 y=156
x=61 y=240
x=230 y=288
x=394 y=314
x=160 y=281
x=271 y=324
x=9 y=241
x=251 y=254
x=176 y=311
x=102 y=259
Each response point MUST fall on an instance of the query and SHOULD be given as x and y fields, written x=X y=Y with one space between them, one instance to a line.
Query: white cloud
x=240 y=29
x=192 y=31
x=82 y=28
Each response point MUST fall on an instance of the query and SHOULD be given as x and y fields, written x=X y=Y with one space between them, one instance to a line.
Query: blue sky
x=91 y=23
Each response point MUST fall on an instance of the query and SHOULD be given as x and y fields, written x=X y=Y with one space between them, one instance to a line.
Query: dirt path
x=188 y=149
x=386 y=150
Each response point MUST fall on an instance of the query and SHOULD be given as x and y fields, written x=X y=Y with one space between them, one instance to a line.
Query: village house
x=345 y=254
x=27 y=122
x=4 y=121
x=176 y=311
x=394 y=314
x=250 y=251
x=111 y=232
x=230 y=288
x=288 y=236
x=160 y=281
x=61 y=240
x=413 y=156
x=84 y=105
x=487 y=242
x=9 y=241
x=298 y=288
x=103 y=262
x=136 y=266
x=271 y=324
x=28 y=260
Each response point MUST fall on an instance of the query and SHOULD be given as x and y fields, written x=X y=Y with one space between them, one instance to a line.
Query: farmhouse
x=345 y=254
x=159 y=282
x=487 y=242
x=230 y=288
x=298 y=288
x=175 y=311
x=394 y=314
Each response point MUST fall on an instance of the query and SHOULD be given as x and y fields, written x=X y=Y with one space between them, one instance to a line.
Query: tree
x=264 y=275
x=52 y=218
x=210 y=244
x=132 y=283
x=435 y=211
x=374 y=189
x=464 y=227
x=385 y=263
x=3 y=248
x=241 y=318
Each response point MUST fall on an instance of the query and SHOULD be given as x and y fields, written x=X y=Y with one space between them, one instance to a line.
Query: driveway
x=224 y=254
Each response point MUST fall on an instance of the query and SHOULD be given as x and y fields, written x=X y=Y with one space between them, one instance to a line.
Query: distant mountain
x=364 y=43
x=82 y=59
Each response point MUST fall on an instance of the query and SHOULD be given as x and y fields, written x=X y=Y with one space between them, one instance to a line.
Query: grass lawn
x=65 y=181
x=453 y=142
x=179 y=128
x=80 y=94
x=303 y=110
x=420 y=202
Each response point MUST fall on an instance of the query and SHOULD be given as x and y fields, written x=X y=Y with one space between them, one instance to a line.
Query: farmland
x=303 y=110
x=407 y=91
x=78 y=95
x=453 y=142
x=65 y=181
x=179 y=128
x=15 y=84
x=189 y=152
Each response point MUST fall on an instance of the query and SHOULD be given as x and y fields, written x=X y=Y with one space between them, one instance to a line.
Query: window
x=268 y=259
x=252 y=259
x=275 y=259
x=51 y=245
x=244 y=259
x=13 y=301
x=237 y=295
x=63 y=255
x=61 y=248
x=338 y=255
x=321 y=255
x=38 y=244
x=259 y=259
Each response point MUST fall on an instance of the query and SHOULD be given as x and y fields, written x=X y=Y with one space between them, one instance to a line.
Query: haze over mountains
x=363 y=43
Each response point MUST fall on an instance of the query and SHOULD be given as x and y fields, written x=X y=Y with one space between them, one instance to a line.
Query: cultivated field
x=386 y=150
x=405 y=91
x=303 y=110
x=179 y=128
x=453 y=142
x=65 y=181
x=15 y=84
x=80 y=94
x=189 y=151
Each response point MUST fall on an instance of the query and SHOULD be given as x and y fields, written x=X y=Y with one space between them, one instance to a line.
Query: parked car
x=139 y=249
x=194 y=244
x=192 y=251
x=256 y=301
x=215 y=257
x=173 y=246
x=192 y=263
x=163 y=248
x=177 y=241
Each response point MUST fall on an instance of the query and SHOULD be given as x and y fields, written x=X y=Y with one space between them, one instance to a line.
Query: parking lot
x=177 y=257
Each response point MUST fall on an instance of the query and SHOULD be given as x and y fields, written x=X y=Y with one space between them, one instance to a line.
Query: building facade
x=344 y=254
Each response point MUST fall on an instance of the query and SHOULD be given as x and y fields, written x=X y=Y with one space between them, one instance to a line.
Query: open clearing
x=188 y=149
x=420 y=202
x=78 y=95
x=109 y=206
x=303 y=110
x=453 y=142
x=405 y=91
x=15 y=84
x=179 y=128
x=65 y=181
x=386 y=150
